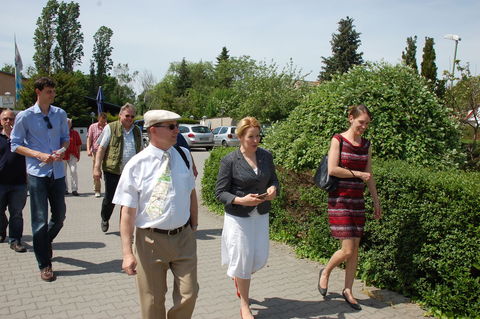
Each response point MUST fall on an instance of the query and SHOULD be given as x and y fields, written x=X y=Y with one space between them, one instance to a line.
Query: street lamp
x=455 y=38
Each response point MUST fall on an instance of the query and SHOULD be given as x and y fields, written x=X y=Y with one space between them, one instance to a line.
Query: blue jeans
x=14 y=197
x=44 y=190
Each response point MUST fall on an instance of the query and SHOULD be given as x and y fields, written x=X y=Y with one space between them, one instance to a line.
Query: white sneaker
x=97 y=194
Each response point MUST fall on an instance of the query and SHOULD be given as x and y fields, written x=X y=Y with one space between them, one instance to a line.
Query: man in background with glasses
x=119 y=141
x=13 y=186
x=40 y=134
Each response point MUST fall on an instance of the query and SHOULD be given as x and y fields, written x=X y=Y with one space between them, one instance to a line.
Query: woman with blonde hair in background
x=246 y=184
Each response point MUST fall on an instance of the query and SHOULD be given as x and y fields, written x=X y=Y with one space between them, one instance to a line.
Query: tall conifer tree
x=223 y=74
x=409 y=55
x=429 y=68
x=344 y=48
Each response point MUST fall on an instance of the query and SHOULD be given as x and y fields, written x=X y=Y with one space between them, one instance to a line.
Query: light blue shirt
x=30 y=130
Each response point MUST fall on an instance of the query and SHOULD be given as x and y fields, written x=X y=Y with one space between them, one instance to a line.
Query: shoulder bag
x=322 y=179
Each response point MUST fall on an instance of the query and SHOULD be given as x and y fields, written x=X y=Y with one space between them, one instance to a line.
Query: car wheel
x=224 y=143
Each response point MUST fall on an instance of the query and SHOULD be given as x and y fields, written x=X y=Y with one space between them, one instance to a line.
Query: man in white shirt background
x=159 y=203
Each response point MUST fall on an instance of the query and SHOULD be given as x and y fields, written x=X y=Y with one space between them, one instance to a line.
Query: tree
x=102 y=50
x=223 y=56
x=44 y=38
x=9 y=68
x=71 y=92
x=223 y=74
x=429 y=68
x=69 y=48
x=344 y=48
x=183 y=82
x=409 y=55
x=464 y=99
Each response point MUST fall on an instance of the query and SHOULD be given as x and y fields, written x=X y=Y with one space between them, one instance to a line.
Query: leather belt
x=169 y=232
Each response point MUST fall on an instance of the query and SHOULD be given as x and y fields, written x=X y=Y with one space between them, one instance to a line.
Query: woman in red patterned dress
x=346 y=205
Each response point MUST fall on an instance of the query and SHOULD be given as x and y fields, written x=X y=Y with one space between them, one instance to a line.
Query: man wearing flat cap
x=159 y=202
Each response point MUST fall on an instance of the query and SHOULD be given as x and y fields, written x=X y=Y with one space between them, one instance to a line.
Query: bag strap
x=182 y=154
x=340 y=153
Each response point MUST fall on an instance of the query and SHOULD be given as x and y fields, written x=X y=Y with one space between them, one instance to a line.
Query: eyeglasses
x=9 y=119
x=171 y=127
x=128 y=116
x=47 y=120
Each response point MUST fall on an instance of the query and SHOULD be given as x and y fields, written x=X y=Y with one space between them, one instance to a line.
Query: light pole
x=455 y=38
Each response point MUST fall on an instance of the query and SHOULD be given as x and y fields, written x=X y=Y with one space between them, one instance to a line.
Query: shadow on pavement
x=77 y=245
x=333 y=306
x=88 y=268
x=208 y=234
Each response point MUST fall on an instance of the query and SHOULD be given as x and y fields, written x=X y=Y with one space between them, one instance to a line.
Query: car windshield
x=200 y=129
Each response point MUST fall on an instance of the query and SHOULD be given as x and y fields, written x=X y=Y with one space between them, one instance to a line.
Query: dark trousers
x=111 y=182
x=44 y=190
x=14 y=197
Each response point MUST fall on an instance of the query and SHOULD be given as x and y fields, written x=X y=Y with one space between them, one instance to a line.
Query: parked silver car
x=197 y=136
x=225 y=136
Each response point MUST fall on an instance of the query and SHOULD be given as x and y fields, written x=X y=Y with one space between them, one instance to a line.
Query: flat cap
x=157 y=116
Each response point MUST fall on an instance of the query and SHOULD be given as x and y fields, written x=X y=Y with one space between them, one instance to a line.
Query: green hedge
x=426 y=246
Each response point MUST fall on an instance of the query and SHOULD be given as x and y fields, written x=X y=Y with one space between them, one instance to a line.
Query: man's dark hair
x=44 y=82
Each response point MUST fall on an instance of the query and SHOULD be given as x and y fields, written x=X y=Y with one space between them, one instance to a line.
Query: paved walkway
x=90 y=283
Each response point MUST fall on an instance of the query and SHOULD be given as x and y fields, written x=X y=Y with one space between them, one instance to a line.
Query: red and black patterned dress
x=346 y=205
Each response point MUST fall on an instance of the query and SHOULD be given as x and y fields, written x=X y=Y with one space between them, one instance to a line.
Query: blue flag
x=18 y=73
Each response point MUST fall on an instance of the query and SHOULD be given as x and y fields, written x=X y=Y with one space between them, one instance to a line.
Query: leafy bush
x=408 y=123
x=209 y=179
x=426 y=246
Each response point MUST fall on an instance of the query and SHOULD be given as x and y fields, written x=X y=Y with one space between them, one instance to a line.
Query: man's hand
x=129 y=264
x=97 y=173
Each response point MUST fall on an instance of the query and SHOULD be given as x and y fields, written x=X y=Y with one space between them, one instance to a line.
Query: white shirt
x=139 y=178
x=128 y=143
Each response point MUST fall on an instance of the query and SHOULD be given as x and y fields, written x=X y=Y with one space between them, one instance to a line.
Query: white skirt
x=245 y=244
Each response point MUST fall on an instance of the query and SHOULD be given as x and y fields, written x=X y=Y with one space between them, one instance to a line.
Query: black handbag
x=322 y=179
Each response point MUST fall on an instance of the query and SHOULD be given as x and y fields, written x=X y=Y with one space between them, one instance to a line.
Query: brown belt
x=170 y=232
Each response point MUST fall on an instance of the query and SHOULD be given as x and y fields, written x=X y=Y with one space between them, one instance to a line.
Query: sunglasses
x=171 y=127
x=47 y=120
x=128 y=116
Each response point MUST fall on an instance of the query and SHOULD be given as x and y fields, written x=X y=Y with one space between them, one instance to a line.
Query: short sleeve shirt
x=139 y=178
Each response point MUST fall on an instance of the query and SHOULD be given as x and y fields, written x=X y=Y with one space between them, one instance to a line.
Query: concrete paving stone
x=62 y=309
x=39 y=312
x=18 y=315
x=79 y=312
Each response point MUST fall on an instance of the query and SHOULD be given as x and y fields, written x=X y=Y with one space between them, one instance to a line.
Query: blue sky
x=149 y=34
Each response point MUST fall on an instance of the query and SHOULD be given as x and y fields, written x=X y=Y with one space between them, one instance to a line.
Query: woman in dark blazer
x=246 y=184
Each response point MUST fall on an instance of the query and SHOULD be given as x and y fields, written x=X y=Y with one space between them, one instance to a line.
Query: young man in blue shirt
x=40 y=133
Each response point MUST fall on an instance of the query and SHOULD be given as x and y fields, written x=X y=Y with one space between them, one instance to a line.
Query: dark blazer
x=236 y=178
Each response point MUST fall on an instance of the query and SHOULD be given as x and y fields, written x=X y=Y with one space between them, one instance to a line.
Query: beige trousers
x=156 y=254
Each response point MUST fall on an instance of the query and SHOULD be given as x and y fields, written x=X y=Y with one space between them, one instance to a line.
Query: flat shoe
x=323 y=291
x=355 y=306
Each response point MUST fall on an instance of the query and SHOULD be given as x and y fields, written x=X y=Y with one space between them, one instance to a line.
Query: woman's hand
x=365 y=176
x=248 y=200
x=271 y=193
